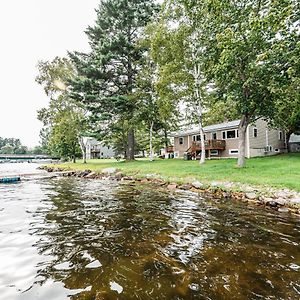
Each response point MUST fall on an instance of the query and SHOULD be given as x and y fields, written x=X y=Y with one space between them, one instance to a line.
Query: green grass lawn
x=278 y=171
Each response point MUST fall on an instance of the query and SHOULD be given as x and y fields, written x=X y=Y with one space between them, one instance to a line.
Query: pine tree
x=107 y=75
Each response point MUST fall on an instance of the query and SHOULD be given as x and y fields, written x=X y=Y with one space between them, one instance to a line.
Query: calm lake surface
x=67 y=238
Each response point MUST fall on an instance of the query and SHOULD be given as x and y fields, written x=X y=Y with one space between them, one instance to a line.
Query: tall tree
x=236 y=35
x=177 y=51
x=64 y=119
x=107 y=75
x=284 y=62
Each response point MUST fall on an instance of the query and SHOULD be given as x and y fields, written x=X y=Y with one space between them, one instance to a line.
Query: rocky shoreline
x=282 y=200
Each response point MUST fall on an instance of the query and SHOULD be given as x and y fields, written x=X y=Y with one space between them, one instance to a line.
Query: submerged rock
x=283 y=209
x=114 y=286
x=94 y=265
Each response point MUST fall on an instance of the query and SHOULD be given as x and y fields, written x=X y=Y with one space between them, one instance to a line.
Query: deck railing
x=210 y=145
x=170 y=149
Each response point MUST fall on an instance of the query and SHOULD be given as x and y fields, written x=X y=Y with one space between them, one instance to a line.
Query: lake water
x=68 y=238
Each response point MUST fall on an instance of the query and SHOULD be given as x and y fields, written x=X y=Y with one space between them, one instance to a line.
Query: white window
x=230 y=134
x=214 y=152
x=214 y=136
x=268 y=148
x=255 y=132
x=181 y=141
x=277 y=150
x=280 y=135
x=196 y=138
x=233 y=151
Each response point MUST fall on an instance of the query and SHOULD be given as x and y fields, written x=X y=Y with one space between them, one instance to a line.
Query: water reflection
x=102 y=240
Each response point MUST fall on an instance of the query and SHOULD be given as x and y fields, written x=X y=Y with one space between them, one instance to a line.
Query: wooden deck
x=209 y=145
x=170 y=149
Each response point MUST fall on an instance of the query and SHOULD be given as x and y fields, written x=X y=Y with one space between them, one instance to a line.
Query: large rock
x=185 y=187
x=281 y=201
x=91 y=175
x=251 y=196
x=283 y=194
x=127 y=178
x=295 y=201
x=272 y=203
x=172 y=186
x=109 y=171
x=283 y=209
x=118 y=175
x=197 y=184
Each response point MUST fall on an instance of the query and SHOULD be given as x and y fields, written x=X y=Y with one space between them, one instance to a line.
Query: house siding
x=255 y=146
x=231 y=144
x=265 y=137
x=179 y=150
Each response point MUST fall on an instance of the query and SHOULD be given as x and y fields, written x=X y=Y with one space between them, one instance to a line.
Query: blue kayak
x=10 y=179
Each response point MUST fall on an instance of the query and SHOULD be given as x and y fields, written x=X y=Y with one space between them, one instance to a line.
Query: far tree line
x=14 y=146
x=149 y=65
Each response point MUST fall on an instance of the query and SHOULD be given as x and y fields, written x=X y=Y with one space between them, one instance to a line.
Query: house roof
x=221 y=126
x=295 y=138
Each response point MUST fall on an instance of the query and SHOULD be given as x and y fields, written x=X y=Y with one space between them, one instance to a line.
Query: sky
x=30 y=31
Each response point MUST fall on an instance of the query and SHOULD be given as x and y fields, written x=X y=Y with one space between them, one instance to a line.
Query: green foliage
x=107 y=75
x=12 y=146
x=284 y=62
x=239 y=41
x=220 y=111
x=64 y=120
x=63 y=141
x=55 y=75
x=7 y=149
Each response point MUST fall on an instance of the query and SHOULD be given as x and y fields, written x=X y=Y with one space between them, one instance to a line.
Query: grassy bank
x=281 y=171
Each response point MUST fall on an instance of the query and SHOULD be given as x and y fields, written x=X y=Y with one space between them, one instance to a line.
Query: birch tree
x=237 y=39
x=177 y=51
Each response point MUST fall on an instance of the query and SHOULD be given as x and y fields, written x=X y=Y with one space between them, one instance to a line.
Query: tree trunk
x=202 y=158
x=288 y=135
x=83 y=148
x=124 y=142
x=199 y=108
x=150 y=142
x=130 y=151
x=201 y=131
x=242 y=141
x=166 y=138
